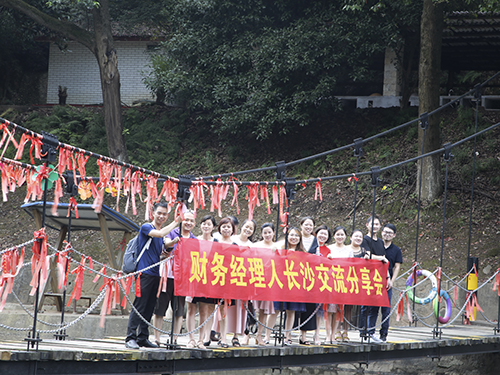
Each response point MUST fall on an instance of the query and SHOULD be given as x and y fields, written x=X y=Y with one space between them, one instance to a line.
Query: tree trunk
x=102 y=46
x=428 y=91
x=110 y=81
x=408 y=77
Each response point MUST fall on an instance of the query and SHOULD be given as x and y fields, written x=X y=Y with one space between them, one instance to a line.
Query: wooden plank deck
x=109 y=355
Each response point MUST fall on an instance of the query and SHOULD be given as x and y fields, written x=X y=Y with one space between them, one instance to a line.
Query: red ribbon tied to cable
x=217 y=194
x=19 y=154
x=235 y=198
x=283 y=215
x=72 y=204
x=112 y=297
x=127 y=286
x=151 y=193
x=401 y=307
x=39 y=260
x=11 y=265
x=264 y=195
x=353 y=178
x=197 y=195
x=496 y=284
x=318 y=191
x=79 y=271
x=62 y=266
x=275 y=194
x=253 y=198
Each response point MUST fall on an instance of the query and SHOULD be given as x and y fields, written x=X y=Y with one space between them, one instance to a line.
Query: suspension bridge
x=109 y=355
x=437 y=334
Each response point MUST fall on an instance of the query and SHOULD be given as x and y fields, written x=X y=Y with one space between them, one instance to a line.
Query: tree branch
x=67 y=29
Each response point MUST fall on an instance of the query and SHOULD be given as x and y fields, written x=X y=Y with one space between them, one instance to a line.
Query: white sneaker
x=375 y=339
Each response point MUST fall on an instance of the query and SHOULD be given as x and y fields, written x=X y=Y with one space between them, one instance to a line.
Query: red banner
x=211 y=269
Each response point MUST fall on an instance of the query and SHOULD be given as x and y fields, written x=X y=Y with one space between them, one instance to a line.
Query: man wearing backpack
x=150 y=279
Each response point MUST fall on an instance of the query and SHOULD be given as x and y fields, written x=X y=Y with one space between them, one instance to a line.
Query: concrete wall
x=392 y=74
x=76 y=68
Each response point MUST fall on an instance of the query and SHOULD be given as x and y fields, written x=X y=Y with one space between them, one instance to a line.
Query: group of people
x=231 y=316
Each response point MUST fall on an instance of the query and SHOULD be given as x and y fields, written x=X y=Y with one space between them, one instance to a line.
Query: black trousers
x=145 y=305
x=303 y=316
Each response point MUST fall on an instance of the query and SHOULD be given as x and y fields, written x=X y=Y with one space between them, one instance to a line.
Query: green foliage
x=265 y=68
x=463 y=162
x=23 y=59
x=490 y=165
x=156 y=140
x=72 y=10
x=81 y=127
x=466 y=120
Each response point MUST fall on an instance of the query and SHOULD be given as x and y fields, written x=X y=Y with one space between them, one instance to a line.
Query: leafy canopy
x=265 y=67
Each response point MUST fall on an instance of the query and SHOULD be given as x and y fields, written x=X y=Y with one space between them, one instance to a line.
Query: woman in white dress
x=294 y=242
x=264 y=309
x=226 y=229
x=205 y=305
x=237 y=313
x=337 y=250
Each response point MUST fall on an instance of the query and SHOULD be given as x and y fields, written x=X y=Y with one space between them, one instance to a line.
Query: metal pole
x=34 y=338
x=358 y=152
x=280 y=332
x=436 y=333
x=424 y=124
x=173 y=343
x=62 y=334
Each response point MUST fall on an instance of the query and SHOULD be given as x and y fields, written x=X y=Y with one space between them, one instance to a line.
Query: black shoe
x=147 y=344
x=383 y=338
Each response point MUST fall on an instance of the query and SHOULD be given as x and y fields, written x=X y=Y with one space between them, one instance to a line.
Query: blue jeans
x=372 y=317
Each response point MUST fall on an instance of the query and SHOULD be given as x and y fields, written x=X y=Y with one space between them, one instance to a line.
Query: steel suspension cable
x=325 y=153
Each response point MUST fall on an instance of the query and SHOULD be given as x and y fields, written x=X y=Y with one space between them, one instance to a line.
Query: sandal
x=223 y=344
x=305 y=342
x=317 y=341
x=191 y=344
x=345 y=337
x=235 y=342
x=214 y=336
x=200 y=345
x=338 y=337
x=287 y=342
x=245 y=340
x=261 y=342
